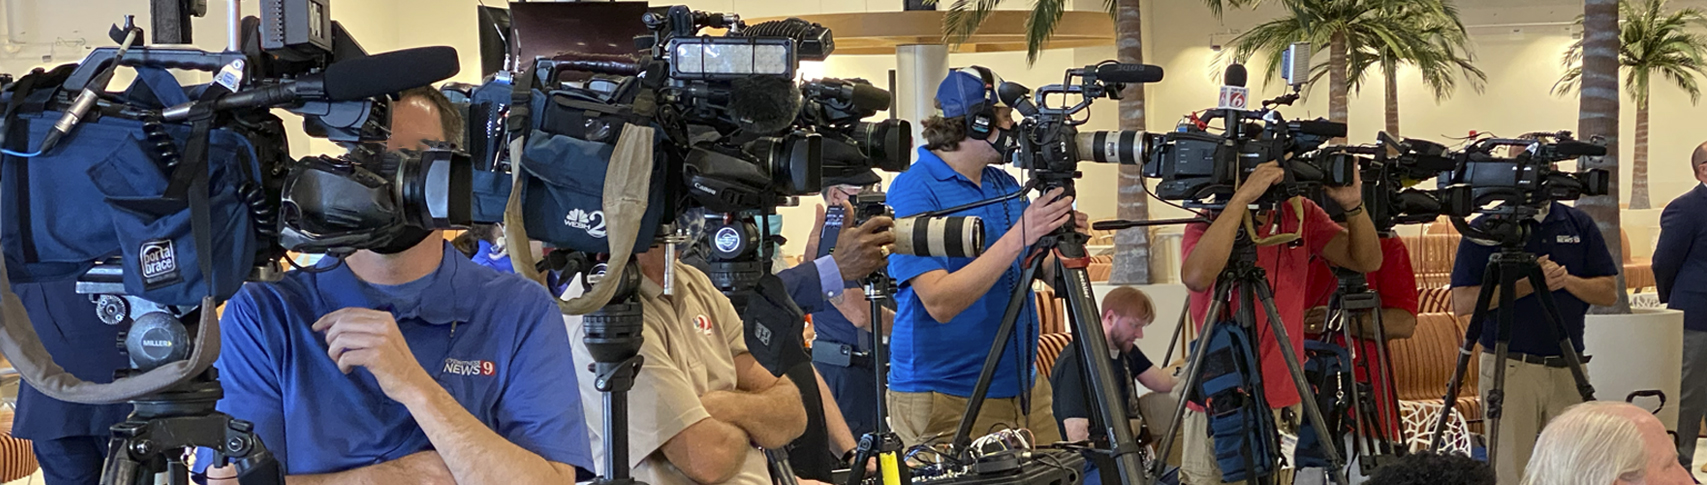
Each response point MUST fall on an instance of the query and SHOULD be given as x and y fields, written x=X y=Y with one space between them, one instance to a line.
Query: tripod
x=153 y=439
x=1243 y=278
x=1504 y=270
x=882 y=443
x=613 y=335
x=1071 y=260
x=1352 y=307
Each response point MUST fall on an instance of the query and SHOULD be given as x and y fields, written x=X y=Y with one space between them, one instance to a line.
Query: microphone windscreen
x=764 y=104
x=1129 y=73
x=870 y=98
x=1235 y=75
x=389 y=72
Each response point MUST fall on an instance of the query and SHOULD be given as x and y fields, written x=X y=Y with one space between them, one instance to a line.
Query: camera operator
x=407 y=363
x=700 y=403
x=1207 y=248
x=958 y=303
x=1680 y=273
x=70 y=439
x=1580 y=272
x=845 y=330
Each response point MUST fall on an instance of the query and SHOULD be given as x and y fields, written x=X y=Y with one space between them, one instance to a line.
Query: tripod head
x=613 y=333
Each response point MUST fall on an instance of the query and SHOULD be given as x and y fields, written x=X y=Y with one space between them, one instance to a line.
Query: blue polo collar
x=1555 y=213
x=439 y=303
x=938 y=168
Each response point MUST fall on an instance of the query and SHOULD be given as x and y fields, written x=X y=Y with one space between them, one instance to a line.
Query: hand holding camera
x=1265 y=176
x=1348 y=196
x=1044 y=215
x=862 y=250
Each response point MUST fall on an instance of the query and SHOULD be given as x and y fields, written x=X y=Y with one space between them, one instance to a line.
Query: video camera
x=1203 y=169
x=195 y=193
x=1505 y=188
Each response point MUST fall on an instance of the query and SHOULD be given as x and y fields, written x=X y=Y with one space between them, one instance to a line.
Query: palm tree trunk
x=1131 y=246
x=1639 y=162
x=1597 y=116
x=1392 y=74
x=1337 y=104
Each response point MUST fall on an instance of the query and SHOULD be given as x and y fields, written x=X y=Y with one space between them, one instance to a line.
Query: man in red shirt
x=1396 y=284
x=1287 y=266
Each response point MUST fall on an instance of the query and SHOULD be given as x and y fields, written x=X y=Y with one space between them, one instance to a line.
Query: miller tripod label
x=159 y=263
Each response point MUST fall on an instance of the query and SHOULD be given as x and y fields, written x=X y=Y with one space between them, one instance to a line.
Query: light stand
x=1503 y=270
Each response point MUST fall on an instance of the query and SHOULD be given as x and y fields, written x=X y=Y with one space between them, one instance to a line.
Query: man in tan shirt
x=701 y=406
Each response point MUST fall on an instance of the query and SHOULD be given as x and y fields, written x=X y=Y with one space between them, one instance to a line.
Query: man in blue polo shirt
x=406 y=364
x=70 y=439
x=1580 y=272
x=949 y=308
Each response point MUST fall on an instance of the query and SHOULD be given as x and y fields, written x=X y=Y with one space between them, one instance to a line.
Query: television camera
x=1506 y=180
x=200 y=195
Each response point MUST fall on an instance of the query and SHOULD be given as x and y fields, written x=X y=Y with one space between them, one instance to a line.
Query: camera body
x=1203 y=169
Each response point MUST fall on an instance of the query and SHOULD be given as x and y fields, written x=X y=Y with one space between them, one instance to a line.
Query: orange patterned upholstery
x=1434 y=300
x=1432 y=256
x=1638 y=275
x=17 y=459
x=1049 y=347
x=1423 y=364
x=1051 y=313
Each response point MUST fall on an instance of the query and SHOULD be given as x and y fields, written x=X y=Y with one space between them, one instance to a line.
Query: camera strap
x=1297 y=205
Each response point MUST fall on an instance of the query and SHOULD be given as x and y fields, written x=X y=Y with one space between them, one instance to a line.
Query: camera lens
x=435 y=188
x=952 y=237
x=886 y=143
x=1122 y=147
x=795 y=162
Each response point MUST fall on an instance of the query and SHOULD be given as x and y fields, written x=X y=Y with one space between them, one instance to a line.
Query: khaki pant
x=1199 y=467
x=1534 y=394
x=918 y=417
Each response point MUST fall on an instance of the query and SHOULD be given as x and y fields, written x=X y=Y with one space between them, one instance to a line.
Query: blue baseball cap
x=964 y=90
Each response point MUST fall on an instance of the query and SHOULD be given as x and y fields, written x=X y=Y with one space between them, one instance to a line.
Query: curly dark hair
x=944 y=134
x=1425 y=468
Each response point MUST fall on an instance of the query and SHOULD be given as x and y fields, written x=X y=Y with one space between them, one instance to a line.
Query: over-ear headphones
x=981 y=117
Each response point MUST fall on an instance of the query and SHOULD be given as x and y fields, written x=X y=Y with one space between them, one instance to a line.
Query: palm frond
x=964 y=17
x=1045 y=15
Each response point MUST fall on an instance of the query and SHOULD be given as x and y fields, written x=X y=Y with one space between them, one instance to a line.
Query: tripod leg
x=1336 y=465
x=1556 y=325
x=1094 y=356
x=1004 y=333
x=1388 y=398
x=1494 y=402
x=1193 y=373
x=1472 y=334
x=120 y=468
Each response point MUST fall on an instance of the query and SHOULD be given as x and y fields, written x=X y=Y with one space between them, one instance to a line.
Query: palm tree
x=1652 y=41
x=1597 y=117
x=1131 y=246
x=1441 y=61
x=1362 y=34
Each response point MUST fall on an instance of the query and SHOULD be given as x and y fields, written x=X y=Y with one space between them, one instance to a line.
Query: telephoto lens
x=952 y=237
x=1122 y=147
